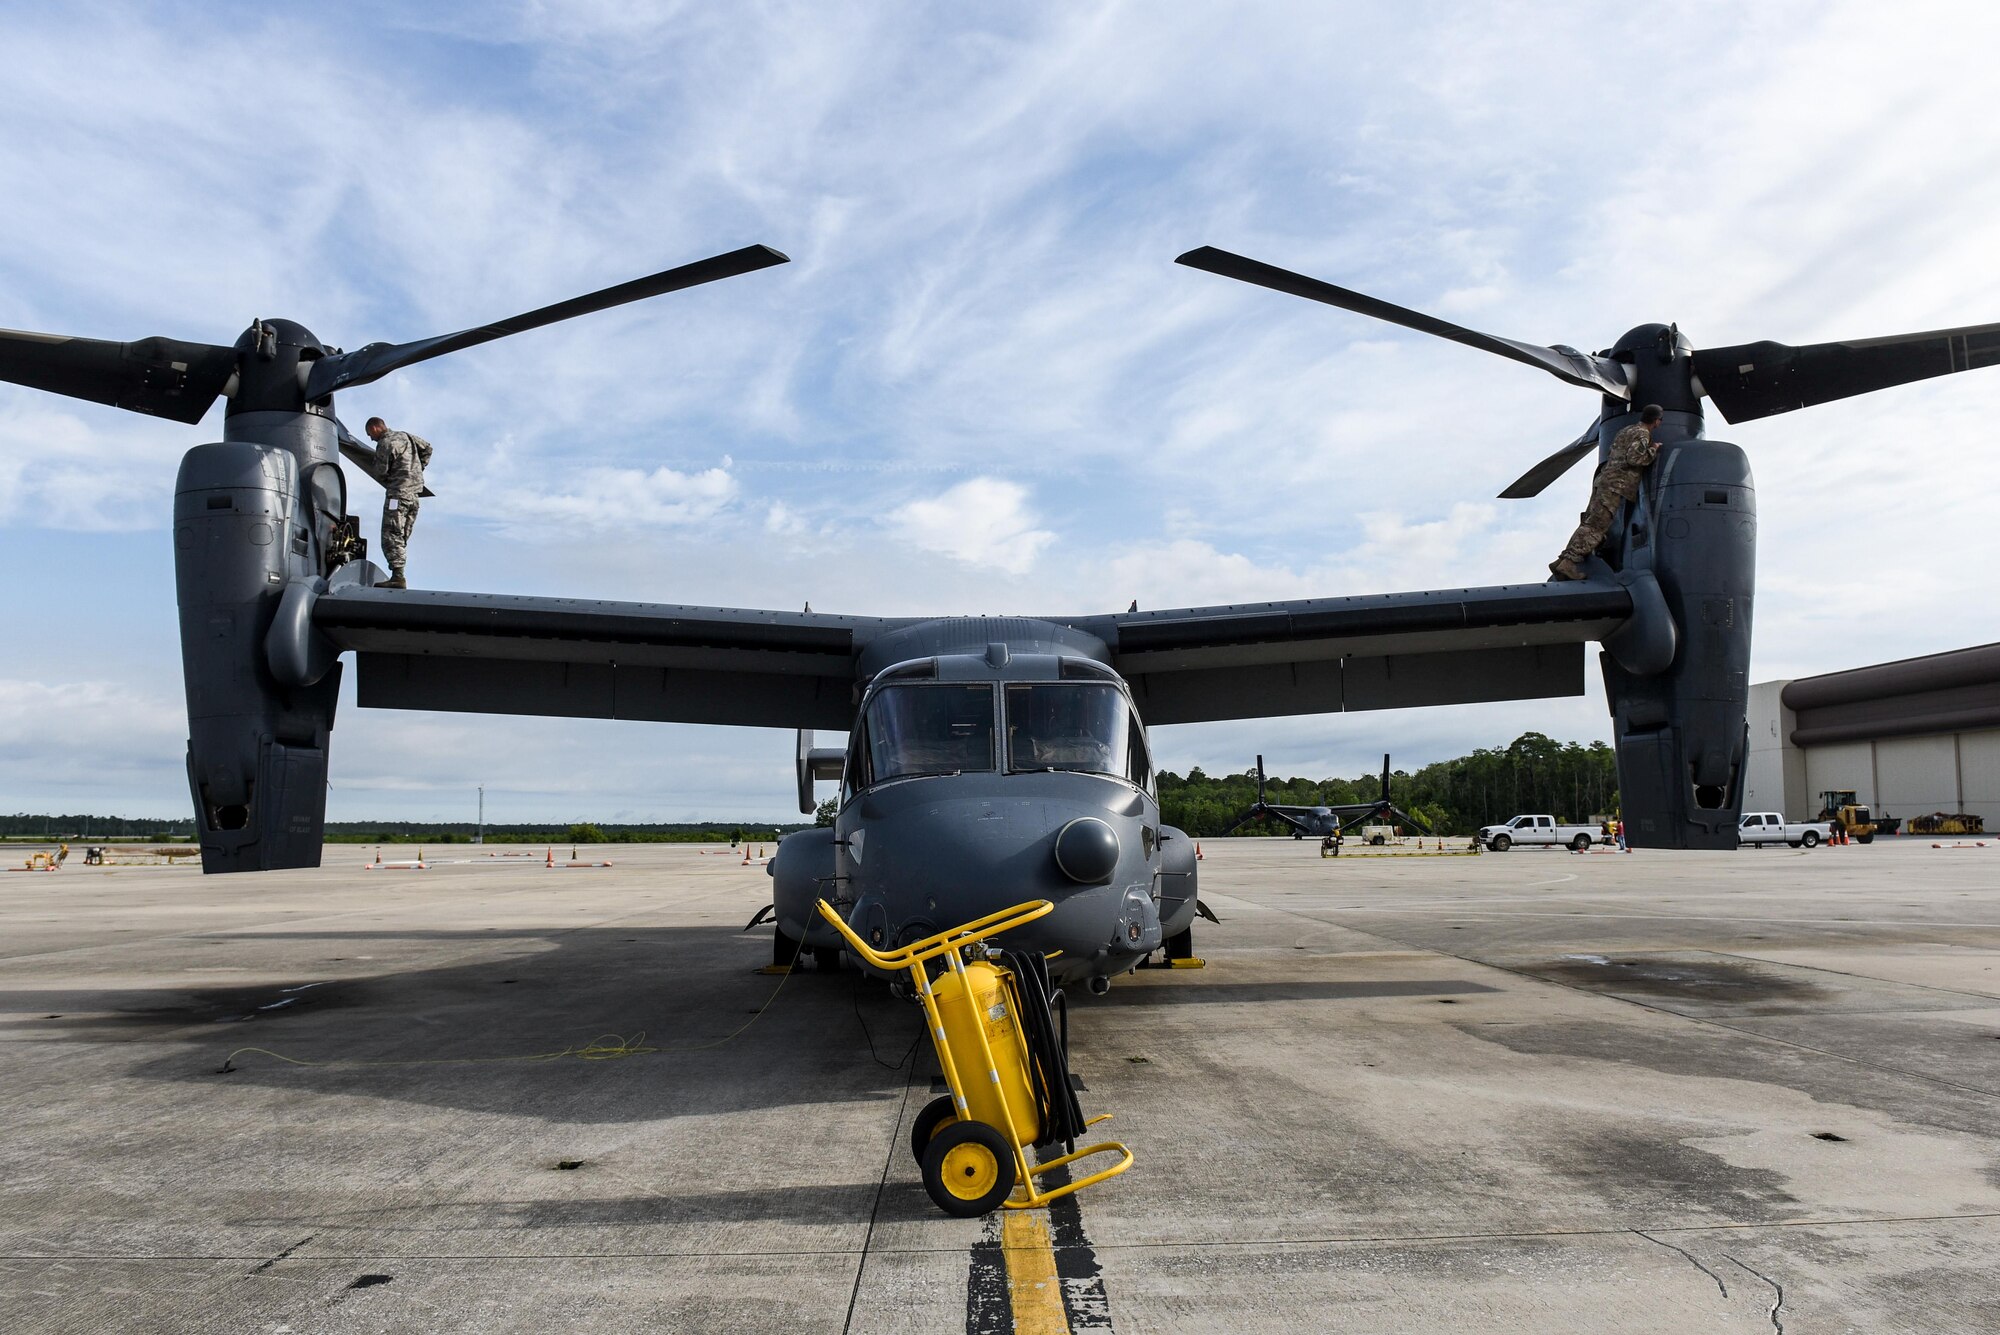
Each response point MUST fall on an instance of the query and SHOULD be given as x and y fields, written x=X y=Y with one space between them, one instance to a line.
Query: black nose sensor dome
x=1087 y=850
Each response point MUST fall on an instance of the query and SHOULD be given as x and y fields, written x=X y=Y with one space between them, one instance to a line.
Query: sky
x=982 y=385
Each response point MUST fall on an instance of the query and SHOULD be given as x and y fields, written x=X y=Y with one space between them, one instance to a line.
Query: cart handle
x=944 y=942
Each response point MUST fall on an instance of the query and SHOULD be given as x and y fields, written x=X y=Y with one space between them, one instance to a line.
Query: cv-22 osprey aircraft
x=1324 y=820
x=990 y=760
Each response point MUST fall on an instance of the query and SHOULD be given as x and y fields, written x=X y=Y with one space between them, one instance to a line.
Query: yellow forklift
x=993 y=1018
x=1838 y=806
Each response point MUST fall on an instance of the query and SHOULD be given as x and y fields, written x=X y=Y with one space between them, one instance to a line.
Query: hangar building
x=1909 y=737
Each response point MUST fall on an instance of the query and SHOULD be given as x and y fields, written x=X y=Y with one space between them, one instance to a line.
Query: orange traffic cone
x=1197 y=850
x=552 y=855
x=746 y=855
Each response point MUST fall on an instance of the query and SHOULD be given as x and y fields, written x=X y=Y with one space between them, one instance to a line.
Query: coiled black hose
x=1048 y=1048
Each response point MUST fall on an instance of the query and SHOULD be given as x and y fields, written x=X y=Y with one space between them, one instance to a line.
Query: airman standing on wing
x=401 y=457
x=1632 y=453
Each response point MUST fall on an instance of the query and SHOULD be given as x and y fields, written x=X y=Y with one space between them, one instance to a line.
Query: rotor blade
x=1260 y=781
x=1408 y=819
x=1251 y=814
x=1536 y=479
x=347 y=369
x=1385 y=778
x=1752 y=380
x=163 y=377
x=1565 y=363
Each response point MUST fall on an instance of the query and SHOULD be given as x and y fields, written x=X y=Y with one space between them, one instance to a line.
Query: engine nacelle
x=257 y=748
x=803 y=872
x=1179 y=881
x=1679 y=731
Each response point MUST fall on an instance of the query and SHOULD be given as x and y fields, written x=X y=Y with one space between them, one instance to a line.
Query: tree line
x=1534 y=773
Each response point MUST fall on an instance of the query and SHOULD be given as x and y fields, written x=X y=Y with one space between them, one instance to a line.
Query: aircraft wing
x=583 y=658
x=1377 y=651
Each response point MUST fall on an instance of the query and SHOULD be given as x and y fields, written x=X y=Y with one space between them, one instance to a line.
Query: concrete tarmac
x=1532 y=1091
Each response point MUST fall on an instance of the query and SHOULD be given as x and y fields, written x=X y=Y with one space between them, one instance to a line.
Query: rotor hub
x=273 y=358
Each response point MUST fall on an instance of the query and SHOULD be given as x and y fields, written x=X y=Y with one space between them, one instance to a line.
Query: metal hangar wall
x=1910 y=737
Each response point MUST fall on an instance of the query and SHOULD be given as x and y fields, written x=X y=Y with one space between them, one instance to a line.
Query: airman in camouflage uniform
x=400 y=459
x=1632 y=453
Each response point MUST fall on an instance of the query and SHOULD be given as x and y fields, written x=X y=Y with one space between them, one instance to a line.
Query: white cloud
x=983 y=521
x=781 y=519
x=67 y=745
x=61 y=471
x=982 y=207
x=600 y=500
x=1187 y=572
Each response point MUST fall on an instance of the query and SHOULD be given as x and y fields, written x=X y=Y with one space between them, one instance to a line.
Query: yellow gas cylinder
x=987 y=1008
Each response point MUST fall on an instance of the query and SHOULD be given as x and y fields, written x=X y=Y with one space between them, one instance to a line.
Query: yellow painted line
x=1033 y=1291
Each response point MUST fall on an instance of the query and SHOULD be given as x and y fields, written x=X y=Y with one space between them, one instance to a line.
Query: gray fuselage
x=975 y=781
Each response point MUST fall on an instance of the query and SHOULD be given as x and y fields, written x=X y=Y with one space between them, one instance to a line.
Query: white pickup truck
x=1758 y=828
x=1541 y=831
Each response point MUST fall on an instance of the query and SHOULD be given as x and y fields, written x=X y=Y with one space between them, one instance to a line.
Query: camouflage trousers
x=396 y=526
x=1593 y=525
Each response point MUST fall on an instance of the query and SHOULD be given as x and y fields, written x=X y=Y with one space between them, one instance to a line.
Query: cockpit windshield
x=944 y=729
x=1068 y=726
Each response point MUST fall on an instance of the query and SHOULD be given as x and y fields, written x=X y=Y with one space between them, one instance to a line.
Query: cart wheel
x=939 y=1113
x=968 y=1169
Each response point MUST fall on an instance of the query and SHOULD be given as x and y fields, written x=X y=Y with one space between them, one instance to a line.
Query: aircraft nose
x=923 y=857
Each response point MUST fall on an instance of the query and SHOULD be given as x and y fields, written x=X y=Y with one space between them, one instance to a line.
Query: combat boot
x=1564 y=568
x=395 y=581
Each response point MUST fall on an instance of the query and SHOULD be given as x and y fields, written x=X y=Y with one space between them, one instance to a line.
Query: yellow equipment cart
x=989 y=1015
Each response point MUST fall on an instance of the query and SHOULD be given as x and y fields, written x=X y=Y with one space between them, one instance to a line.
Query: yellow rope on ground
x=605 y=1047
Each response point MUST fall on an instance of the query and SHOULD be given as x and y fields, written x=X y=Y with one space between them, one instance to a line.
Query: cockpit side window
x=854 y=775
x=1076 y=726
x=1139 y=764
x=916 y=730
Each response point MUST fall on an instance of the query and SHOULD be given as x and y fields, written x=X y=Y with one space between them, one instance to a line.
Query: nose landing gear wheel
x=939 y=1113
x=968 y=1169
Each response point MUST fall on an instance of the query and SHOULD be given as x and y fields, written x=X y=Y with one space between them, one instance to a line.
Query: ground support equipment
x=992 y=1018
